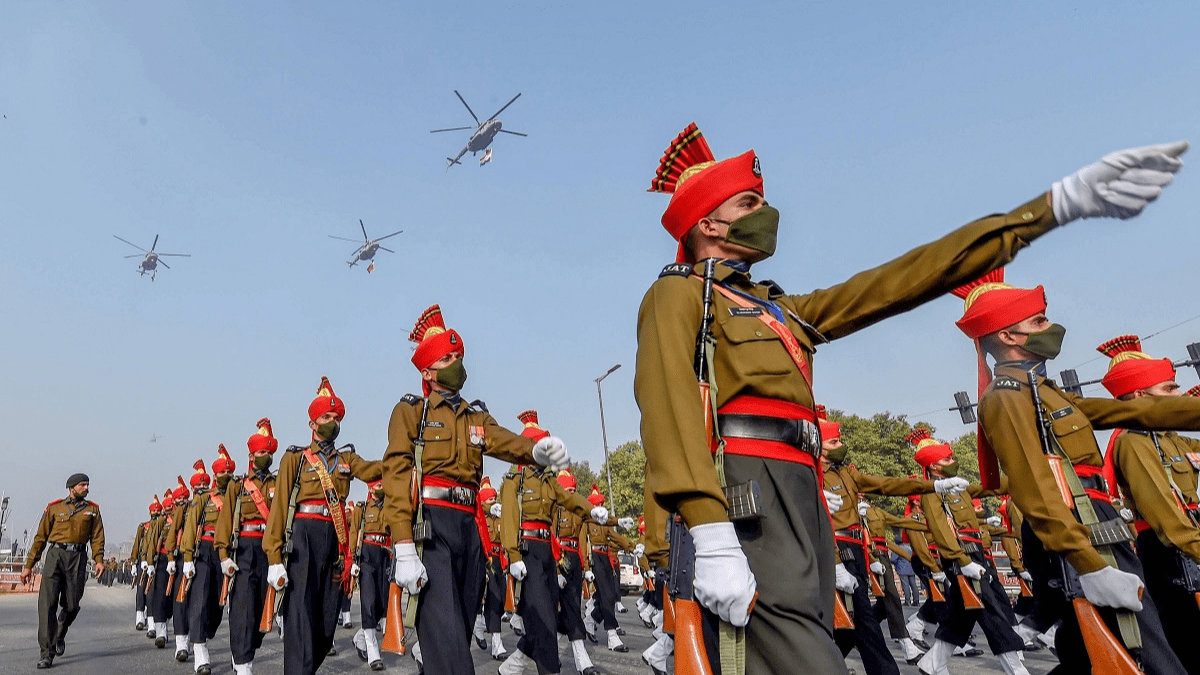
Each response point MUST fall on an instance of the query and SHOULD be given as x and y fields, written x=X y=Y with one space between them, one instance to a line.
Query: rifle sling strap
x=410 y=616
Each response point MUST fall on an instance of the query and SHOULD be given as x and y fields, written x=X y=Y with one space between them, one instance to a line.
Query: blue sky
x=243 y=134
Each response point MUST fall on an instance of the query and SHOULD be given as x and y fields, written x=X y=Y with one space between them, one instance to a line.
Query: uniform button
x=437 y=438
x=1074 y=427
x=1028 y=215
x=758 y=333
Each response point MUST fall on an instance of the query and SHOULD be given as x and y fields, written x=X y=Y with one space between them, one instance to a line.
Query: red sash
x=256 y=495
x=790 y=342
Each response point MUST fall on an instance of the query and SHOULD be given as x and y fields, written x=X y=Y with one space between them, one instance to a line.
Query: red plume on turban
x=697 y=183
x=567 y=479
x=326 y=401
x=928 y=450
x=829 y=430
x=1130 y=369
x=486 y=491
x=530 y=419
x=595 y=496
x=224 y=463
x=155 y=506
x=201 y=476
x=182 y=492
x=168 y=500
x=1194 y=391
x=433 y=340
x=263 y=439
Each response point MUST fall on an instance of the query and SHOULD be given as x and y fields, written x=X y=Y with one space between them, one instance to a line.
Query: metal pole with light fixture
x=604 y=433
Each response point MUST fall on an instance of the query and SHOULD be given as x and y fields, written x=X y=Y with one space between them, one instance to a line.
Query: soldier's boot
x=160 y=631
x=583 y=663
x=1011 y=663
x=149 y=626
x=912 y=653
x=346 y=621
x=139 y=621
x=515 y=663
x=374 y=658
x=619 y=608
x=916 y=627
x=646 y=612
x=1028 y=635
x=614 y=642
x=498 y=650
x=181 y=648
x=937 y=660
x=518 y=624
x=658 y=653
x=968 y=650
x=480 y=631
x=201 y=666
x=243 y=668
x=589 y=624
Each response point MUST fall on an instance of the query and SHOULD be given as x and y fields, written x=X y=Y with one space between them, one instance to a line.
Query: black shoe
x=620 y=648
x=45 y=663
x=160 y=642
x=362 y=653
x=139 y=626
x=620 y=631
x=971 y=652
x=348 y=624
x=622 y=609
x=519 y=631
x=499 y=657
x=506 y=616
x=378 y=665
x=481 y=643
x=921 y=644
x=592 y=637
x=150 y=633
x=913 y=660
x=204 y=669
x=333 y=650
x=181 y=655
x=593 y=670
x=60 y=647
x=646 y=661
x=1033 y=646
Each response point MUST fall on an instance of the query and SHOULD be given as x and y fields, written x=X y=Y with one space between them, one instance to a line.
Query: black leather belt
x=851 y=534
x=1094 y=483
x=600 y=549
x=800 y=434
x=254 y=528
x=536 y=534
x=322 y=509
x=463 y=496
x=377 y=538
x=67 y=547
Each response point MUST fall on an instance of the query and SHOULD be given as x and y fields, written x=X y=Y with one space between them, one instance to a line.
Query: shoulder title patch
x=478 y=405
x=676 y=269
x=411 y=399
x=1006 y=383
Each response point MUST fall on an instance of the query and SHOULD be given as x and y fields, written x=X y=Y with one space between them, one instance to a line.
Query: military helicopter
x=368 y=248
x=485 y=131
x=150 y=261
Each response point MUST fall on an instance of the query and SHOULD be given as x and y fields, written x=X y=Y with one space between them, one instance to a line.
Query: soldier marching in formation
x=372 y=567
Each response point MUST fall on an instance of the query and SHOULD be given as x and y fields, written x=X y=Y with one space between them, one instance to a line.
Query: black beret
x=76 y=479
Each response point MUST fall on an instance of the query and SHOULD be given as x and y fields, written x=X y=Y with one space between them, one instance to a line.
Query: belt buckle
x=460 y=495
x=810 y=437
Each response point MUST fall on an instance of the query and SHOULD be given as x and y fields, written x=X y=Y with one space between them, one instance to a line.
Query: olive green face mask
x=1046 y=344
x=756 y=230
x=838 y=455
x=950 y=470
x=453 y=376
x=222 y=481
x=262 y=463
x=329 y=431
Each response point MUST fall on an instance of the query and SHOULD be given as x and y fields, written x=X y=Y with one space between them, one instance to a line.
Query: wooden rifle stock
x=668 y=625
x=690 y=655
x=935 y=591
x=1106 y=653
x=510 y=600
x=876 y=588
x=185 y=585
x=170 y=583
x=841 y=617
x=268 y=615
x=224 y=590
x=969 y=596
x=1026 y=592
x=393 y=635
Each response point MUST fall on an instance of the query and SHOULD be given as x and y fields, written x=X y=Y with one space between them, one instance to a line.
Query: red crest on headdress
x=486 y=491
x=201 y=476
x=155 y=506
x=326 y=401
x=567 y=479
x=224 y=463
x=1194 y=391
x=829 y=429
x=530 y=419
x=928 y=449
x=595 y=496
x=433 y=340
x=1130 y=369
x=263 y=439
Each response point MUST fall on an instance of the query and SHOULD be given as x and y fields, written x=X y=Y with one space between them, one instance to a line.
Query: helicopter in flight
x=151 y=259
x=485 y=131
x=368 y=248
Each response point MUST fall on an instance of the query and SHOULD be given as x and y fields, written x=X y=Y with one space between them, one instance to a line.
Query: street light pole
x=604 y=433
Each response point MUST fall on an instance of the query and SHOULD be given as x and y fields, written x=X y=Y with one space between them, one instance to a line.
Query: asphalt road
x=102 y=640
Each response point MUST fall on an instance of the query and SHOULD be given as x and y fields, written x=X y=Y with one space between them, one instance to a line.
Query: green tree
x=584 y=476
x=628 y=465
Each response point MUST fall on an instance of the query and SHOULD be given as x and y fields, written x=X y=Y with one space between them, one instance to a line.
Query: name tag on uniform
x=476 y=435
x=1176 y=459
x=745 y=311
x=835 y=488
x=434 y=425
x=1061 y=413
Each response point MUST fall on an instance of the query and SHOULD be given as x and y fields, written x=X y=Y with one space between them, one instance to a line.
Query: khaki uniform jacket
x=368 y=519
x=920 y=545
x=348 y=465
x=235 y=492
x=1143 y=479
x=204 y=512
x=455 y=443
x=846 y=480
x=1009 y=422
x=173 y=534
x=658 y=547
x=540 y=496
x=68 y=521
x=158 y=536
x=570 y=525
x=606 y=535
x=139 y=536
x=879 y=520
x=750 y=359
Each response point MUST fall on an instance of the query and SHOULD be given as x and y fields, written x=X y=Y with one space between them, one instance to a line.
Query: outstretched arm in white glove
x=950 y=486
x=723 y=580
x=551 y=452
x=1120 y=185
x=833 y=500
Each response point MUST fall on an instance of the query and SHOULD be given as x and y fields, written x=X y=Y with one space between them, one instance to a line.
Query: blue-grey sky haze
x=244 y=133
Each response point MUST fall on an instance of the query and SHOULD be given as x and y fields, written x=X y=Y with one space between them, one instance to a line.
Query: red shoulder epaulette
x=93 y=503
x=56 y=501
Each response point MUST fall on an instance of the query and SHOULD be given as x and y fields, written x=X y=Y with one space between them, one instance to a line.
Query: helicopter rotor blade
x=514 y=133
x=342 y=238
x=390 y=235
x=364 y=229
x=133 y=245
x=505 y=106
x=154 y=244
x=384 y=248
x=175 y=255
x=464 y=102
x=163 y=263
x=435 y=131
x=135 y=255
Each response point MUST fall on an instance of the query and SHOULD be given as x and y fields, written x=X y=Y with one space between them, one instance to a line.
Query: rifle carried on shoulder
x=1107 y=654
x=274 y=601
x=234 y=538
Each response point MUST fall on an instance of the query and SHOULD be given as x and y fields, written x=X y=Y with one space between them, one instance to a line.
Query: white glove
x=972 y=570
x=277 y=576
x=228 y=567
x=723 y=581
x=1126 y=514
x=843 y=580
x=551 y=452
x=600 y=515
x=877 y=567
x=863 y=507
x=355 y=570
x=589 y=575
x=1026 y=576
x=1119 y=185
x=950 y=486
x=517 y=570
x=150 y=571
x=189 y=569
x=409 y=571
x=144 y=565
x=639 y=550
x=496 y=510
x=1110 y=587
x=625 y=523
x=939 y=577
x=170 y=567
x=994 y=521
x=833 y=500
x=562 y=581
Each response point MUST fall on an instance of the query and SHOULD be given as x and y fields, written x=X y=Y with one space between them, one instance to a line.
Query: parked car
x=631 y=574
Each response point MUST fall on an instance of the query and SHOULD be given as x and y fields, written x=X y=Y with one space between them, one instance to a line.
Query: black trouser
x=604 y=609
x=867 y=634
x=314 y=596
x=994 y=618
x=1177 y=606
x=570 y=598
x=493 y=600
x=162 y=605
x=179 y=610
x=373 y=584
x=204 y=600
x=791 y=627
x=64 y=574
x=139 y=592
x=889 y=604
x=539 y=606
x=345 y=606
x=450 y=600
x=246 y=599
x=1156 y=655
